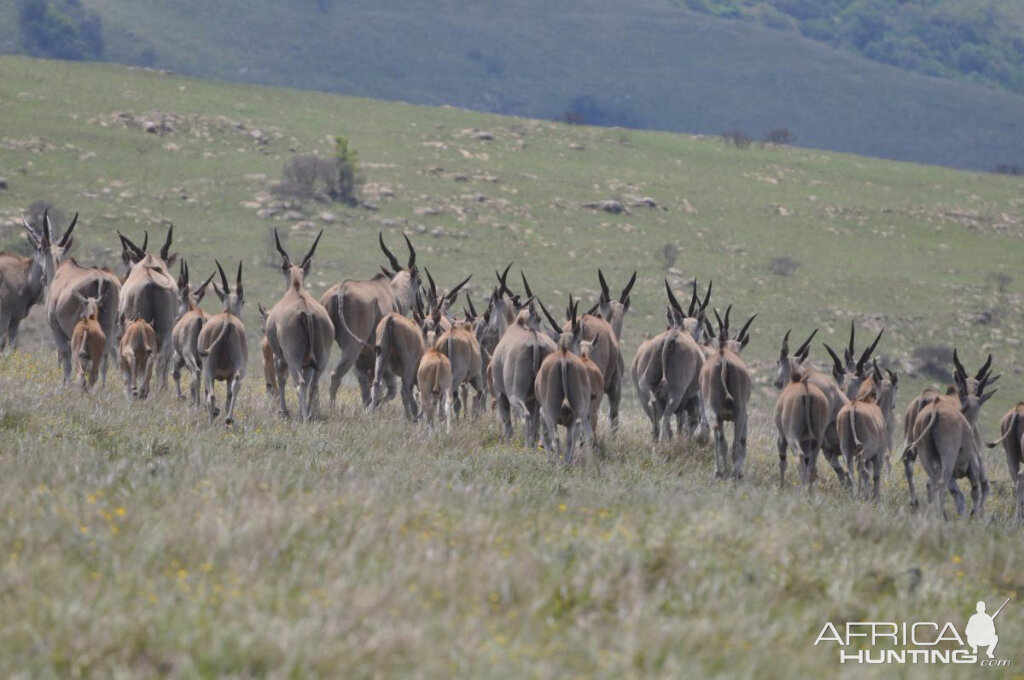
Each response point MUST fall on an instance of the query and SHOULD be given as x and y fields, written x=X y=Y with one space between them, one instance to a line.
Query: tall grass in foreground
x=141 y=540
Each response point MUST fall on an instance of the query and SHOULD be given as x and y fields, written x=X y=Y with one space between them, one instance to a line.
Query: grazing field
x=139 y=539
x=146 y=541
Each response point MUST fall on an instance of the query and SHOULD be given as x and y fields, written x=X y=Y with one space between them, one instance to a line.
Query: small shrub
x=310 y=176
x=783 y=266
x=782 y=136
x=573 y=118
x=347 y=180
x=1007 y=169
x=737 y=138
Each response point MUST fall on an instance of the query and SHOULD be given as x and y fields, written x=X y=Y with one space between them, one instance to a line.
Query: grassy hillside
x=148 y=541
x=643 y=64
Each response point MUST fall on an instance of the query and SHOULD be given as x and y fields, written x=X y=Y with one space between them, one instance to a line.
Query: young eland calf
x=88 y=341
x=138 y=347
x=435 y=383
x=398 y=349
x=185 y=334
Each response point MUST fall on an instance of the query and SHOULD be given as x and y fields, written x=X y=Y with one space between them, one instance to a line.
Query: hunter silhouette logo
x=914 y=642
x=981 y=630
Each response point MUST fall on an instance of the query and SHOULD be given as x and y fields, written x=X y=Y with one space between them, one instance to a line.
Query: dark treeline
x=980 y=41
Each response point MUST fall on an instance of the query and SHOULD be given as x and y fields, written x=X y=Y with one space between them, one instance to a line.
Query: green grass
x=360 y=546
x=644 y=64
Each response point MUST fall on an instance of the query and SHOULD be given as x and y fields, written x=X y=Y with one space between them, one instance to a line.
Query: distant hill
x=979 y=41
x=647 y=64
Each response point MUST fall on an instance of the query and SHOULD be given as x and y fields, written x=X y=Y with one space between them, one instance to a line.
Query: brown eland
x=947 y=442
x=299 y=331
x=69 y=284
x=614 y=311
x=22 y=285
x=562 y=388
x=357 y=307
x=435 y=384
x=185 y=334
x=667 y=367
x=725 y=393
x=972 y=384
x=460 y=345
x=398 y=348
x=267 y=354
x=151 y=293
x=787 y=366
x=223 y=348
x=801 y=416
x=1011 y=429
x=88 y=342
x=864 y=434
x=138 y=354
x=513 y=370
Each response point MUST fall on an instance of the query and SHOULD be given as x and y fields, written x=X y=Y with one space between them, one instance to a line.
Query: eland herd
x=400 y=337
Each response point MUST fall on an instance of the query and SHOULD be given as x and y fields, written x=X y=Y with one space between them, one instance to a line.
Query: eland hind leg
x=234 y=385
x=739 y=444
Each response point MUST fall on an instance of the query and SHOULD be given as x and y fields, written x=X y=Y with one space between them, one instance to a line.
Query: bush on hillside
x=319 y=178
x=780 y=135
x=737 y=138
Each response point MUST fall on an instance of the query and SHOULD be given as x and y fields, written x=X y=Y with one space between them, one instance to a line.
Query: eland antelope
x=725 y=392
x=138 y=349
x=299 y=331
x=22 y=284
x=513 y=370
x=185 y=334
x=88 y=342
x=666 y=368
x=151 y=293
x=801 y=416
x=222 y=346
x=947 y=442
x=460 y=345
x=435 y=383
x=357 y=307
x=442 y=301
x=854 y=378
x=597 y=382
x=69 y=284
x=604 y=332
x=398 y=348
x=789 y=365
x=614 y=311
x=562 y=388
x=267 y=354
x=1011 y=430
x=971 y=384
x=864 y=433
